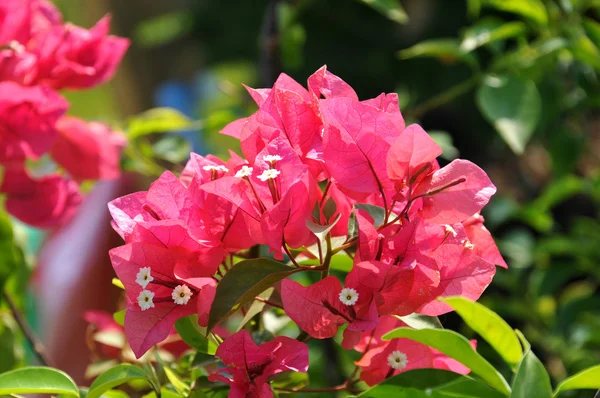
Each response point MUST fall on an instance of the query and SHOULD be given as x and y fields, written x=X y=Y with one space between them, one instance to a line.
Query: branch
x=270 y=64
x=34 y=341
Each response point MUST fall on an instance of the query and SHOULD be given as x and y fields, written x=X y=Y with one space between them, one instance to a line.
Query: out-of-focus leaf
x=513 y=106
x=518 y=245
x=455 y=346
x=256 y=307
x=430 y=383
x=37 y=380
x=180 y=386
x=290 y=380
x=292 y=45
x=584 y=49
x=587 y=379
x=444 y=140
x=341 y=262
x=531 y=9
x=566 y=147
x=592 y=28
x=117 y=282
x=119 y=317
x=8 y=257
x=242 y=283
x=527 y=56
x=531 y=379
x=418 y=321
x=392 y=9
x=172 y=148
x=490 y=30
x=116 y=376
x=446 y=50
x=8 y=344
x=490 y=326
x=195 y=335
x=163 y=29
x=158 y=120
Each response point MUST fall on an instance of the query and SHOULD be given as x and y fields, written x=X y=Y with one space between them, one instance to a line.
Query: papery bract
x=88 y=151
x=27 y=119
x=47 y=202
x=482 y=241
x=251 y=365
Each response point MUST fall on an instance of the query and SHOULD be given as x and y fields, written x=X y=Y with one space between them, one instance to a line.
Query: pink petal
x=325 y=83
x=410 y=152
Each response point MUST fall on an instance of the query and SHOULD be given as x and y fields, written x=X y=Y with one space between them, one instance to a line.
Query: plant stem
x=327 y=260
x=271 y=303
x=444 y=97
x=34 y=341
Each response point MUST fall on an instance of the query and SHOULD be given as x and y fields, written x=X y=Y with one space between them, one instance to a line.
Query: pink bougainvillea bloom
x=462 y=189
x=73 y=57
x=321 y=308
x=14 y=21
x=162 y=285
x=482 y=241
x=27 y=119
x=462 y=273
x=249 y=366
x=17 y=65
x=47 y=202
x=88 y=151
x=326 y=84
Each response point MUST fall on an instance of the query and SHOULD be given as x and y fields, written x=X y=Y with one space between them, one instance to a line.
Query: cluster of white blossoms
x=216 y=168
x=348 y=296
x=180 y=295
x=397 y=360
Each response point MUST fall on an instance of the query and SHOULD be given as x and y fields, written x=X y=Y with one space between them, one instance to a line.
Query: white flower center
x=397 y=360
x=145 y=300
x=245 y=171
x=348 y=296
x=450 y=230
x=269 y=174
x=143 y=277
x=217 y=168
x=181 y=294
x=467 y=244
x=271 y=158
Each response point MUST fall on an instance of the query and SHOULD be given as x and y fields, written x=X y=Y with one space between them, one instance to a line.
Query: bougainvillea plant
x=39 y=55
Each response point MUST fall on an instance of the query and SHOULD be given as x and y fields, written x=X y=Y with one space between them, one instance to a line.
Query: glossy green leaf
x=37 y=380
x=194 y=335
x=431 y=383
x=116 y=376
x=531 y=379
x=588 y=379
x=418 y=321
x=455 y=346
x=180 y=386
x=490 y=30
x=513 y=106
x=531 y=9
x=242 y=283
x=446 y=50
x=490 y=326
x=392 y=9
x=158 y=120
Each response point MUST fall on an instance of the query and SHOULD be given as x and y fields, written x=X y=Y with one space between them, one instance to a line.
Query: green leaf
x=445 y=50
x=588 y=379
x=119 y=317
x=158 y=120
x=163 y=29
x=455 y=346
x=513 y=106
x=490 y=326
x=490 y=30
x=444 y=140
x=194 y=335
x=172 y=148
x=431 y=383
x=592 y=28
x=290 y=380
x=256 y=307
x=376 y=212
x=117 y=282
x=8 y=257
x=392 y=9
x=531 y=9
x=37 y=380
x=116 y=376
x=531 y=379
x=242 y=283
x=180 y=386
x=418 y=321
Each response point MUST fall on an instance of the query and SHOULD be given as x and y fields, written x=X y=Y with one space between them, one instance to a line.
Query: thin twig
x=271 y=303
x=270 y=64
x=34 y=341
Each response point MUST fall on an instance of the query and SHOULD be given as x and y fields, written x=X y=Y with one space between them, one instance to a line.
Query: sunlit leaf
x=490 y=30
x=392 y=9
x=37 y=380
x=194 y=335
x=588 y=379
x=531 y=379
x=116 y=376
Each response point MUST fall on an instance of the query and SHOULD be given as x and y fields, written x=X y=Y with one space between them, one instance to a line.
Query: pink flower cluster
x=40 y=54
x=304 y=150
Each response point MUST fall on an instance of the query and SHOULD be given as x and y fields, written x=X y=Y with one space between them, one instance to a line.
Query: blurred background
x=509 y=84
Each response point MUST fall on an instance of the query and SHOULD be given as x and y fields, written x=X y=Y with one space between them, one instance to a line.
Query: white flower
x=348 y=296
x=181 y=294
x=467 y=244
x=145 y=299
x=217 y=168
x=450 y=230
x=143 y=277
x=269 y=174
x=271 y=158
x=245 y=171
x=397 y=360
